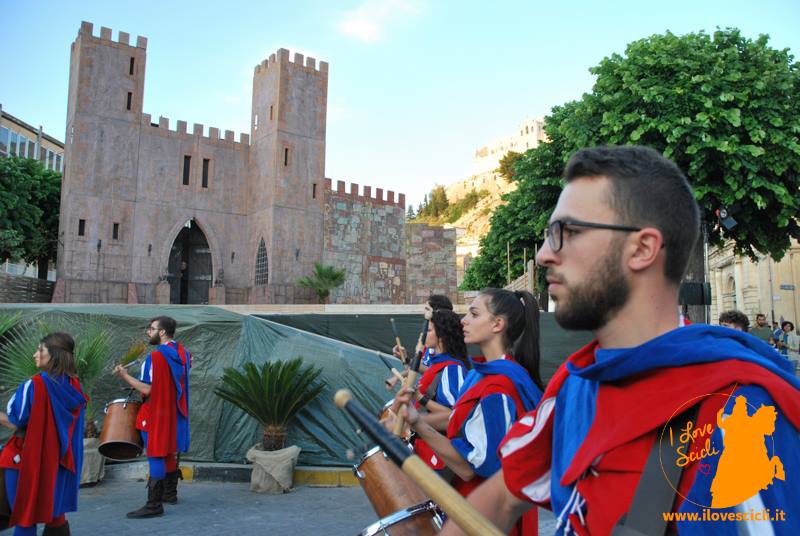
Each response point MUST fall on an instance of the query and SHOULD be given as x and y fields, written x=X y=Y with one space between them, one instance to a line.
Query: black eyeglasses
x=554 y=234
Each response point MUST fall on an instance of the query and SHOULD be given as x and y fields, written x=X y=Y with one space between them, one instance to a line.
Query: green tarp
x=375 y=332
x=220 y=339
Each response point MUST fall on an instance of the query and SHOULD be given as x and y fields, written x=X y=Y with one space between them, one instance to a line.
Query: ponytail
x=521 y=337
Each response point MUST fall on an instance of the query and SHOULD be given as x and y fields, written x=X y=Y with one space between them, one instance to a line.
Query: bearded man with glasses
x=615 y=251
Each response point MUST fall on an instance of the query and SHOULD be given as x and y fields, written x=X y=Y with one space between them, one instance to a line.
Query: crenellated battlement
x=124 y=38
x=198 y=131
x=308 y=64
x=366 y=196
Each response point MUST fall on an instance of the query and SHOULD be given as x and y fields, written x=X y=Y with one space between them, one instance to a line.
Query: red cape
x=158 y=416
x=38 y=468
x=496 y=384
x=628 y=420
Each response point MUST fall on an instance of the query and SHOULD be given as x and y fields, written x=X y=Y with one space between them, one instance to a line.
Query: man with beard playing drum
x=616 y=249
x=164 y=416
x=495 y=393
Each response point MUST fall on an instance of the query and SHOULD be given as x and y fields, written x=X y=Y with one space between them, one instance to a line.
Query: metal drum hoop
x=380 y=526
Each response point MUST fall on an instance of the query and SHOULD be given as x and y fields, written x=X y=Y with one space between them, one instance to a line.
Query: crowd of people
x=615 y=250
x=783 y=338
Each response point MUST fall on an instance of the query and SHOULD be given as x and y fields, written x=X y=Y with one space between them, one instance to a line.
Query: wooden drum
x=120 y=440
x=404 y=508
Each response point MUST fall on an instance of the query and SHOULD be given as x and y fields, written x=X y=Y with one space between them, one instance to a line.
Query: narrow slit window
x=130 y=68
x=187 y=164
x=81 y=227
x=270 y=112
x=285 y=156
x=206 y=163
x=130 y=99
x=115 y=232
x=314 y=191
x=255 y=122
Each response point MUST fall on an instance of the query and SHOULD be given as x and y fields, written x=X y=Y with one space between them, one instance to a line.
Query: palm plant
x=273 y=394
x=323 y=280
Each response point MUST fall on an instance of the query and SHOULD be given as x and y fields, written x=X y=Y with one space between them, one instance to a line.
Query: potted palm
x=322 y=281
x=273 y=394
x=92 y=347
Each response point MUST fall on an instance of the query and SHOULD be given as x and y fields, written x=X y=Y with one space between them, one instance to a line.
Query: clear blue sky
x=415 y=85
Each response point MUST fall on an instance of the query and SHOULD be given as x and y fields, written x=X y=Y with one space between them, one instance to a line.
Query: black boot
x=171 y=487
x=61 y=530
x=155 y=495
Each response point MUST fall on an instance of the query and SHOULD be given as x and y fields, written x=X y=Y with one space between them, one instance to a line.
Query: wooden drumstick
x=457 y=508
x=396 y=374
x=413 y=372
x=402 y=350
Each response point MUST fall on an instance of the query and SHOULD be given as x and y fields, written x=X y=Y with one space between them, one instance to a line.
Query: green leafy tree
x=410 y=215
x=507 y=164
x=725 y=108
x=30 y=196
x=323 y=280
x=273 y=394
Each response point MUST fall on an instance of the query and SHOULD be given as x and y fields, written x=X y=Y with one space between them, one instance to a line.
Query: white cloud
x=368 y=21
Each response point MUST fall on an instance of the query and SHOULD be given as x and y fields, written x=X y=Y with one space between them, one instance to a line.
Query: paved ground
x=229 y=508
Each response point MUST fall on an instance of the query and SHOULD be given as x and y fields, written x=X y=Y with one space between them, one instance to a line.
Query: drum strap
x=654 y=494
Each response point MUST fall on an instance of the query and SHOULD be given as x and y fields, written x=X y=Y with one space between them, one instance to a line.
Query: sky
x=415 y=86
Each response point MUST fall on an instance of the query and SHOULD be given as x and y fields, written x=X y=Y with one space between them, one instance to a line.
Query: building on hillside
x=154 y=212
x=18 y=138
x=530 y=133
x=766 y=286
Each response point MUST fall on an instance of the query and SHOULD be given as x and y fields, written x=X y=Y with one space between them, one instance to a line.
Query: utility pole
x=508 y=262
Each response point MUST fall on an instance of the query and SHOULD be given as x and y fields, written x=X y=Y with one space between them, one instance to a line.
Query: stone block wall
x=431 y=266
x=364 y=235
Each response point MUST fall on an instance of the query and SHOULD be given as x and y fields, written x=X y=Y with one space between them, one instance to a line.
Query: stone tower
x=287 y=170
x=106 y=87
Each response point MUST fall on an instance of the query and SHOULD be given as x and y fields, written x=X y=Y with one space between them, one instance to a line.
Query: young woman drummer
x=495 y=393
x=441 y=382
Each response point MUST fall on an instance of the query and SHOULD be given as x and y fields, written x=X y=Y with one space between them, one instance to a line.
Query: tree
x=507 y=164
x=410 y=213
x=30 y=196
x=323 y=280
x=725 y=108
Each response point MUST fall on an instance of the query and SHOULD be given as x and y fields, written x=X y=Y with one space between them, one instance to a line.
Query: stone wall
x=365 y=236
x=431 y=267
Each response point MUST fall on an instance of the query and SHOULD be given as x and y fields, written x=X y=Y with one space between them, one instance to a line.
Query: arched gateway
x=190 y=269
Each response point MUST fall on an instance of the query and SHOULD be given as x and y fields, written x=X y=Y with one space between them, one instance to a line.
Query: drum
x=404 y=522
x=408 y=433
x=120 y=440
x=396 y=499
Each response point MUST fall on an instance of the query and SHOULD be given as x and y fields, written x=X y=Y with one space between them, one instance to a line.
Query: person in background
x=761 y=329
x=735 y=320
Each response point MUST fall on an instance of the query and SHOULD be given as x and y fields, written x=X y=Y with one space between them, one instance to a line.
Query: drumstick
x=413 y=371
x=457 y=508
x=400 y=348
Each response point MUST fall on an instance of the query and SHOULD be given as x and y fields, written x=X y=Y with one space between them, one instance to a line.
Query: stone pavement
x=229 y=508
